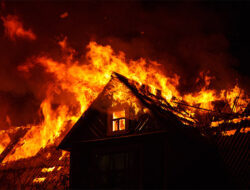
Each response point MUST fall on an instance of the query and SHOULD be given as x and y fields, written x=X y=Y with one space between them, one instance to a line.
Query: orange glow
x=4 y=140
x=64 y=153
x=216 y=123
x=237 y=120
x=229 y=133
x=59 y=168
x=84 y=80
x=122 y=95
x=48 y=155
x=232 y=132
x=205 y=97
x=46 y=170
x=63 y=43
x=234 y=95
x=14 y=28
x=39 y=180
x=118 y=125
x=64 y=15
x=118 y=114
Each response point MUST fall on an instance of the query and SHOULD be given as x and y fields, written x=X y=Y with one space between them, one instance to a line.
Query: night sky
x=186 y=37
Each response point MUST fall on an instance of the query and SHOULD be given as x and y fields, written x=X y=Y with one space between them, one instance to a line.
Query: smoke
x=185 y=38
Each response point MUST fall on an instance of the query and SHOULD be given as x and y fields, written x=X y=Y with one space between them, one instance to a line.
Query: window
x=118 y=121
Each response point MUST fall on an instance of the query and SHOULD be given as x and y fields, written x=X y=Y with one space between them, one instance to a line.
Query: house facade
x=130 y=138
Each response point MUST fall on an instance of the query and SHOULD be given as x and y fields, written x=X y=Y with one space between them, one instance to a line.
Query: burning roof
x=123 y=91
x=74 y=87
x=49 y=169
x=83 y=83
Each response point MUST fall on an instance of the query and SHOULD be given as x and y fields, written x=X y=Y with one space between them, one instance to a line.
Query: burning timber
x=131 y=133
x=47 y=170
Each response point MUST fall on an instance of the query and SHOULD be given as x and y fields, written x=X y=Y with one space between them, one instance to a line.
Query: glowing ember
x=39 y=180
x=64 y=153
x=48 y=155
x=64 y=15
x=216 y=123
x=59 y=168
x=46 y=170
x=237 y=120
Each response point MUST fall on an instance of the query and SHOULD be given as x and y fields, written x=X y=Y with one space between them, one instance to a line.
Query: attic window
x=118 y=121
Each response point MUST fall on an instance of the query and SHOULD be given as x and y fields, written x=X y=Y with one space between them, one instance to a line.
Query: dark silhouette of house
x=132 y=138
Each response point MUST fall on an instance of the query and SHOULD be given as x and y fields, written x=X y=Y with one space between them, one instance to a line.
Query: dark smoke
x=185 y=37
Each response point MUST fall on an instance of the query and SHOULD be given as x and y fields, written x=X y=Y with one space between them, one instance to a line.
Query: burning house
x=176 y=115
x=132 y=138
x=131 y=134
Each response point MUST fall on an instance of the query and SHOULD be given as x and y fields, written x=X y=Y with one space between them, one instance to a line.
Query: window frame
x=110 y=131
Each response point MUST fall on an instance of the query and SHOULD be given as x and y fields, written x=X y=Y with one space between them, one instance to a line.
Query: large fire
x=85 y=80
x=186 y=58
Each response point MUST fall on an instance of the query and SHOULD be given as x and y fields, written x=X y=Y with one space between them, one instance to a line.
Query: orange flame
x=46 y=170
x=14 y=28
x=85 y=80
x=121 y=125
x=205 y=97
x=4 y=140
x=39 y=180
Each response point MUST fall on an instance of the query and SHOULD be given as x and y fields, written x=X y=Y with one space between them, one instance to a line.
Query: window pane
x=118 y=114
x=122 y=124
x=118 y=123
x=115 y=125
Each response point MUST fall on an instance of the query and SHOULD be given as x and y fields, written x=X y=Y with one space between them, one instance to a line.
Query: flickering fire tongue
x=14 y=28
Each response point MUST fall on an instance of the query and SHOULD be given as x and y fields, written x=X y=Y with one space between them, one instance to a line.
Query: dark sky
x=236 y=15
x=164 y=23
x=186 y=37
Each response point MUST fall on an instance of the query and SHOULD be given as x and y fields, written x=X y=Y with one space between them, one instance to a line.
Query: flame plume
x=14 y=28
x=85 y=80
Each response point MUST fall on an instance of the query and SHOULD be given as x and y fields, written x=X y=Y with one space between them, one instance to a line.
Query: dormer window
x=118 y=121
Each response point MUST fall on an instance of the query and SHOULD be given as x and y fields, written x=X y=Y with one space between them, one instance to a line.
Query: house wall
x=146 y=155
x=160 y=161
x=193 y=163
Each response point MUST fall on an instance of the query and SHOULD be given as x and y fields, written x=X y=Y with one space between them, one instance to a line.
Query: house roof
x=162 y=112
x=47 y=170
x=23 y=172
